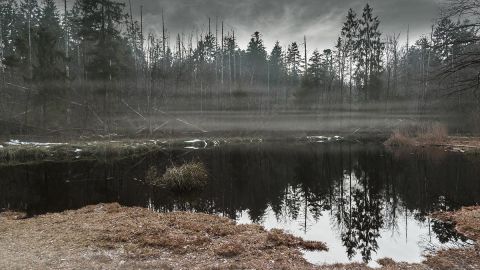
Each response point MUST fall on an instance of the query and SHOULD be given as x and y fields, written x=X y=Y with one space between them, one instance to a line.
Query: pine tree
x=50 y=54
x=9 y=32
x=349 y=35
x=106 y=49
x=256 y=57
x=276 y=64
x=49 y=73
x=294 y=60
x=369 y=53
x=25 y=42
x=315 y=70
x=327 y=66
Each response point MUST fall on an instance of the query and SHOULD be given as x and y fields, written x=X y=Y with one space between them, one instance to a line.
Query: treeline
x=92 y=64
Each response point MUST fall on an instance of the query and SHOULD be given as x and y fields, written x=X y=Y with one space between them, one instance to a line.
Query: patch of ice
x=18 y=143
x=78 y=150
x=322 y=139
x=191 y=147
x=197 y=141
x=194 y=141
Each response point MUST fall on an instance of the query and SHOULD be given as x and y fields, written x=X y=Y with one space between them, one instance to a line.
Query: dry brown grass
x=109 y=236
x=105 y=235
x=13 y=215
x=230 y=249
x=398 y=139
x=280 y=238
x=418 y=134
x=467 y=222
x=187 y=177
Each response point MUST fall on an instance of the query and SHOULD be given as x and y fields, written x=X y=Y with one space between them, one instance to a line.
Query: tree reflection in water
x=365 y=189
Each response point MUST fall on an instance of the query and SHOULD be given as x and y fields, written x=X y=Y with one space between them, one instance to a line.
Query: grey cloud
x=283 y=20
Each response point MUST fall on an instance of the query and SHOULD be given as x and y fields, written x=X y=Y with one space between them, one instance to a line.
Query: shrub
x=414 y=133
x=187 y=177
x=398 y=139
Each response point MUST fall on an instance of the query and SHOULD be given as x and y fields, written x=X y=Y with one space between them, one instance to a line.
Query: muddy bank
x=109 y=236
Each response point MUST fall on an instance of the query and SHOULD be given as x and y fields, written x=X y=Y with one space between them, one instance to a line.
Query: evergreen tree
x=294 y=60
x=369 y=53
x=25 y=41
x=49 y=41
x=327 y=66
x=315 y=70
x=276 y=64
x=256 y=57
x=49 y=71
x=105 y=48
x=349 y=35
x=9 y=32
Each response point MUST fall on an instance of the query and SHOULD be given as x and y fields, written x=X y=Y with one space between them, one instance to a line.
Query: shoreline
x=110 y=236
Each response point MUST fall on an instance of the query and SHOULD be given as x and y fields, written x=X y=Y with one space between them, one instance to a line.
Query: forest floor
x=108 y=236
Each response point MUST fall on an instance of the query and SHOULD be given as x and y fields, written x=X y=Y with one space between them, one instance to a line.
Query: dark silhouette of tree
x=369 y=52
x=294 y=60
x=276 y=62
x=256 y=57
x=49 y=72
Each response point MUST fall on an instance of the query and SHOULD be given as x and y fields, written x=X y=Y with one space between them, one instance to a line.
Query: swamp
x=225 y=135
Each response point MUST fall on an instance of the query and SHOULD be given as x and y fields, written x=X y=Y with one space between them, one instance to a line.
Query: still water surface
x=364 y=201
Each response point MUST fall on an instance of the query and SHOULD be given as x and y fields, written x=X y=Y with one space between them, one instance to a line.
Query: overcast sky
x=284 y=20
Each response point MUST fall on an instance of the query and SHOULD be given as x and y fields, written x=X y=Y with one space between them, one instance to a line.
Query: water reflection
x=362 y=198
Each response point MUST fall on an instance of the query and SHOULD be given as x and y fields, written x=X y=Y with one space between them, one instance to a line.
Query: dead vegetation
x=413 y=134
x=190 y=176
x=467 y=222
x=279 y=237
x=26 y=153
x=109 y=236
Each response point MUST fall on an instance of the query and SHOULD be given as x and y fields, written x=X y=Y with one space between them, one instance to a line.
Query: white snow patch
x=194 y=141
x=197 y=141
x=322 y=139
x=18 y=143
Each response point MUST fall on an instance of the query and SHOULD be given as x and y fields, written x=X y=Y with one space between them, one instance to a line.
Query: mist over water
x=292 y=136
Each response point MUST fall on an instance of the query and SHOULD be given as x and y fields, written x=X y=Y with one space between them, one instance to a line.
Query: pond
x=366 y=202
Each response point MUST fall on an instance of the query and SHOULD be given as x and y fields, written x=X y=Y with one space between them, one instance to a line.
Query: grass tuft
x=187 y=177
x=279 y=238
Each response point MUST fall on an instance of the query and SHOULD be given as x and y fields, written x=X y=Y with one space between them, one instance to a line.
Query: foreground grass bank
x=109 y=236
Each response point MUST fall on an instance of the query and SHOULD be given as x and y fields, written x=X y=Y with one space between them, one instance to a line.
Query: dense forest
x=90 y=65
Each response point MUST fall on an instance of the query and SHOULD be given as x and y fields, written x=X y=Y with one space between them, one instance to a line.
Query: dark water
x=364 y=201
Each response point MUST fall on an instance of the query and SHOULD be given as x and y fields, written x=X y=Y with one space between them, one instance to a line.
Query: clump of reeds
x=418 y=134
x=187 y=177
